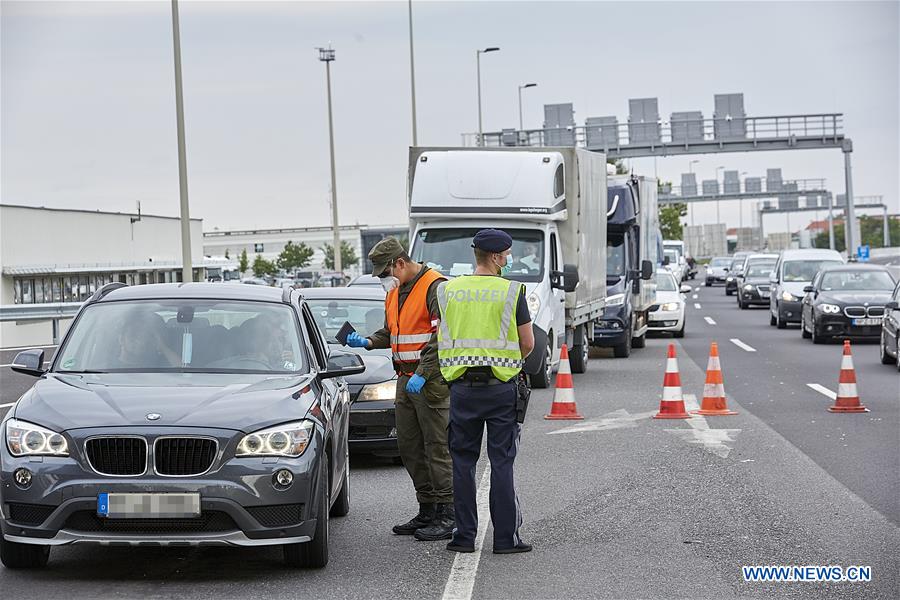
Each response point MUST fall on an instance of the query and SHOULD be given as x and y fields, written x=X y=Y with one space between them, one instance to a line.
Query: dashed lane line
x=697 y=305
x=742 y=345
x=822 y=390
x=709 y=320
x=461 y=580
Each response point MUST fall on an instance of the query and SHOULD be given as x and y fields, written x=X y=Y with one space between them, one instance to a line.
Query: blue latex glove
x=415 y=384
x=354 y=340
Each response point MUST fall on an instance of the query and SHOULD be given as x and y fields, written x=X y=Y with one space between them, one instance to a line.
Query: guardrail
x=39 y=312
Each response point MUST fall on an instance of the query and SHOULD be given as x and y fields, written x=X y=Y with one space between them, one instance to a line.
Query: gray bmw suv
x=180 y=414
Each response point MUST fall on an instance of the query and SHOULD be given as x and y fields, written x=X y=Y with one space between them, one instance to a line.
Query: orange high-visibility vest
x=412 y=326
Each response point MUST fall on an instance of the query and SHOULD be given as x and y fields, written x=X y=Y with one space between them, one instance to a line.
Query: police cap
x=492 y=240
x=384 y=253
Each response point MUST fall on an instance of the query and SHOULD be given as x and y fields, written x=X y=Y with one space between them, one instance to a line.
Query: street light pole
x=187 y=270
x=718 y=218
x=478 y=77
x=412 y=76
x=522 y=87
x=326 y=55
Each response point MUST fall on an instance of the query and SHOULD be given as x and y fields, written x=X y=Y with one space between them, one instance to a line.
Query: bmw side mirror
x=646 y=270
x=29 y=362
x=807 y=289
x=342 y=364
x=892 y=305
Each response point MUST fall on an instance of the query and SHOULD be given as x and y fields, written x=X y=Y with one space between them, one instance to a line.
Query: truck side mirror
x=666 y=260
x=29 y=362
x=646 y=270
x=565 y=280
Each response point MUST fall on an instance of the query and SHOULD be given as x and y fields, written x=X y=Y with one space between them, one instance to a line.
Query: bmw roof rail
x=105 y=290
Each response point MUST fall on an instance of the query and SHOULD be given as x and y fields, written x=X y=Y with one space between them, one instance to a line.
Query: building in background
x=54 y=259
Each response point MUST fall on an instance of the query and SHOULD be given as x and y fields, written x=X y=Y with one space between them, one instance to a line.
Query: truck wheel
x=542 y=380
x=578 y=358
x=623 y=350
x=639 y=342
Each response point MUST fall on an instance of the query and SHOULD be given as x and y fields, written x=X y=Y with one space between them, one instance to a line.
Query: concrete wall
x=30 y=334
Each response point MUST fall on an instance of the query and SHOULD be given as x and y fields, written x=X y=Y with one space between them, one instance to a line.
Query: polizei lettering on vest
x=475 y=295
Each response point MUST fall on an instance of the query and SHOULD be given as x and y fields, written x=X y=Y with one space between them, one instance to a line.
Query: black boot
x=441 y=528
x=423 y=519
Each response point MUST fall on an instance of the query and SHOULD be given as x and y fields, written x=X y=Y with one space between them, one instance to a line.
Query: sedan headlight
x=831 y=309
x=290 y=439
x=748 y=288
x=534 y=304
x=670 y=306
x=386 y=390
x=27 y=439
x=729 y=278
x=615 y=300
x=788 y=297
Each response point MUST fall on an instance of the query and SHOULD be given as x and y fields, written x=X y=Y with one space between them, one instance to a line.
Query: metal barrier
x=52 y=312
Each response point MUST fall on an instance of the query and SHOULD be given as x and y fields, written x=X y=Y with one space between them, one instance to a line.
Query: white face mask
x=389 y=282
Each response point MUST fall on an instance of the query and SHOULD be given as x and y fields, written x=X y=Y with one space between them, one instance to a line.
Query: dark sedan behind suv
x=846 y=301
x=373 y=428
x=753 y=286
x=180 y=414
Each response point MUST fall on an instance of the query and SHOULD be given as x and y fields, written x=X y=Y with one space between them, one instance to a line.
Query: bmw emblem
x=153 y=416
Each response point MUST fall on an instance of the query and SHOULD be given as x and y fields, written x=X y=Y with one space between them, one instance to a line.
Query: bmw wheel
x=886 y=358
x=803 y=332
x=814 y=333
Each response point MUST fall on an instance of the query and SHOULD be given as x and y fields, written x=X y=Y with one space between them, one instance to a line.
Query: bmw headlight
x=615 y=300
x=748 y=288
x=534 y=304
x=788 y=297
x=831 y=309
x=386 y=390
x=670 y=306
x=27 y=439
x=290 y=439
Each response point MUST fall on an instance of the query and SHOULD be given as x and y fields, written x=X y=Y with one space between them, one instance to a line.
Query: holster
x=523 y=395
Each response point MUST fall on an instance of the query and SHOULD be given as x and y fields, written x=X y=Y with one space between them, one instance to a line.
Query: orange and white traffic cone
x=563 y=407
x=672 y=404
x=714 y=403
x=847 y=400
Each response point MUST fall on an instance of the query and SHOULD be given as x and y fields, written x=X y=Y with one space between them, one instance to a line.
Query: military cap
x=384 y=253
x=492 y=240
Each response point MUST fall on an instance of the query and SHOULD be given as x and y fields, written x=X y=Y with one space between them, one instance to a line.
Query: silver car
x=194 y=414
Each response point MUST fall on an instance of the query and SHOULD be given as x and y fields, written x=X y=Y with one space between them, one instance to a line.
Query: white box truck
x=632 y=255
x=552 y=201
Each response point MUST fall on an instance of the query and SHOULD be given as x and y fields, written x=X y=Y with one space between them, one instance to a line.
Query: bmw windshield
x=450 y=252
x=190 y=336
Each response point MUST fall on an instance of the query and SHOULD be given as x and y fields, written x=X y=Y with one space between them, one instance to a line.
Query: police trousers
x=422 y=439
x=471 y=409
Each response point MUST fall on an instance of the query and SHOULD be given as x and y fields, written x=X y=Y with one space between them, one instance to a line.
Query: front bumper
x=731 y=286
x=666 y=321
x=755 y=296
x=789 y=311
x=609 y=333
x=239 y=502
x=373 y=428
x=841 y=326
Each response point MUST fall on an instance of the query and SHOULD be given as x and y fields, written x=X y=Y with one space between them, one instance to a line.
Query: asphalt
x=635 y=508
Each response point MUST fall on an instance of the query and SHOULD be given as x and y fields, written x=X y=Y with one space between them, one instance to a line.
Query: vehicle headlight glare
x=832 y=309
x=386 y=390
x=290 y=439
x=788 y=297
x=27 y=439
x=534 y=304
x=748 y=288
x=615 y=300
x=670 y=306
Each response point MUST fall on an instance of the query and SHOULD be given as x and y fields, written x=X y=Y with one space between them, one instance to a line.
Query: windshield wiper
x=89 y=371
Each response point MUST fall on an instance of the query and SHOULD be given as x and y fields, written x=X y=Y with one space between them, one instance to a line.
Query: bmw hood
x=857 y=298
x=239 y=402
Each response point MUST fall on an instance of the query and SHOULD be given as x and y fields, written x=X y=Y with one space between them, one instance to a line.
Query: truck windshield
x=450 y=252
x=615 y=255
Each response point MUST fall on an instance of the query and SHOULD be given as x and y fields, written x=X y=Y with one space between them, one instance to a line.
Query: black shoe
x=441 y=527
x=423 y=519
x=521 y=547
x=454 y=547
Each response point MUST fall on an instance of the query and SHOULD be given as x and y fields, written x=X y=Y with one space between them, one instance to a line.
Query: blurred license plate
x=148 y=506
x=864 y=322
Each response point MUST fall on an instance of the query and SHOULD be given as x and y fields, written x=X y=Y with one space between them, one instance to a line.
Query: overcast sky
x=88 y=109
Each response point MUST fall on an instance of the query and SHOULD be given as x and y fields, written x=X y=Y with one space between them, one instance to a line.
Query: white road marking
x=6 y=405
x=615 y=420
x=712 y=440
x=742 y=345
x=822 y=390
x=709 y=320
x=695 y=296
x=461 y=580
x=697 y=305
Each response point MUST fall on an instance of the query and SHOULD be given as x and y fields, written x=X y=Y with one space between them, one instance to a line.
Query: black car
x=373 y=428
x=180 y=415
x=846 y=301
x=754 y=287
x=890 y=331
x=735 y=272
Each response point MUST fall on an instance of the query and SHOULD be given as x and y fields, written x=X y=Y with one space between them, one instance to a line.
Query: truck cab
x=631 y=257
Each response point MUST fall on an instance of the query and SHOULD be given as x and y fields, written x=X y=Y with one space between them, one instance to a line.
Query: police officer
x=483 y=337
x=422 y=404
